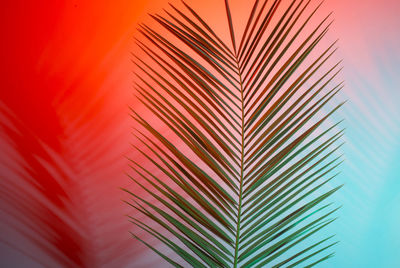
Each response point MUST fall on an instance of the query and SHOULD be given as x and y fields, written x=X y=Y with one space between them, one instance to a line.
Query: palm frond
x=240 y=150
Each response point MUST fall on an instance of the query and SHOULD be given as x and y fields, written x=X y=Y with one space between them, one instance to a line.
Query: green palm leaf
x=241 y=175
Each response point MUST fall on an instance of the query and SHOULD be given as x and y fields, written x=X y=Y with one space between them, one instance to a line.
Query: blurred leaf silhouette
x=64 y=84
x=45 y=204
x=34 y=193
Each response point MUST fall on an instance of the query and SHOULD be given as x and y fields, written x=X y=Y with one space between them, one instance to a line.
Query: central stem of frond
x=239 y=213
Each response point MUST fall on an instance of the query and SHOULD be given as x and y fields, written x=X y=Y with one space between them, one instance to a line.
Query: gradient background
x=64 y=128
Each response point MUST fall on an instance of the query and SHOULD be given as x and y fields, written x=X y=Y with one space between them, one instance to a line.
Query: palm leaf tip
x=238 y=158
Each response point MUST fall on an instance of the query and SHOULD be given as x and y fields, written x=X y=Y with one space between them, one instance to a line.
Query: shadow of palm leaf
x=36 y=198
